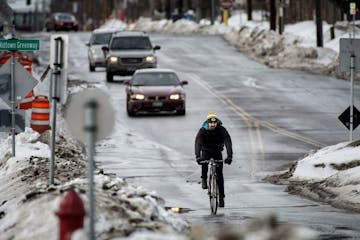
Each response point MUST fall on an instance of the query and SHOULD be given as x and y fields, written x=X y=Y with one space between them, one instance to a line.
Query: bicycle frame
x=213 y=189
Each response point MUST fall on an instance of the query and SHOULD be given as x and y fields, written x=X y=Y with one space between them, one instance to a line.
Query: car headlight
x=97 y=52
x=113 y=59
x=175 y=96
x=150 y=59
x=138 y=96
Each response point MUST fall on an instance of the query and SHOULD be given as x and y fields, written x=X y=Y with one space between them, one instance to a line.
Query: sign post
x=90 y=118
x=16 y=71
x=226 y=5
x=350 y=60
x=54 y=99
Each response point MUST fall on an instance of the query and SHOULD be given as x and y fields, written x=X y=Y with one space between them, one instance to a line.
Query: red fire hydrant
x=71 y=215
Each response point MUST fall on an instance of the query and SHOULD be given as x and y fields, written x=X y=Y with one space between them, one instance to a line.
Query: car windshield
x=101 y=38
x=131 y=43
x=65 y=17
x=155 y=79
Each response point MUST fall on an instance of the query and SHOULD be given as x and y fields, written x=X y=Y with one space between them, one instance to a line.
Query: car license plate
x=157 y=104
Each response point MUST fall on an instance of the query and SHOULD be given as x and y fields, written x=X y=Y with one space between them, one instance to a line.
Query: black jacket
x=213 y=141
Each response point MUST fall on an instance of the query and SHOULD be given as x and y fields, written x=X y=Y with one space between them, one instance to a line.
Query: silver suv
x=127 y=52
x=99 y=38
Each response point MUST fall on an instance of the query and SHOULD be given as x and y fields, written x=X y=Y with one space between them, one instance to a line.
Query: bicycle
x=213 y=189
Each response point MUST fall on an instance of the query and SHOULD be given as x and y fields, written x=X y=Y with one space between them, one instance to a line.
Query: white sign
x=24 y=82
x=349 y=47
x=75 y=114
x=62 y=84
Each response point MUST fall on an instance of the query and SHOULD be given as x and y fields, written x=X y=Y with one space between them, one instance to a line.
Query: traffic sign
x=63 y=61
x=352 y=8
x=24 y=82
x=76 y=119
x=226 y=4
x=19 y=44
x=349 y=47
x=5 y=120
x=345 y=118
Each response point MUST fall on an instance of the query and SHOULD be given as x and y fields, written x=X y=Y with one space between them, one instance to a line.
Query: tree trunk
x=272 y=15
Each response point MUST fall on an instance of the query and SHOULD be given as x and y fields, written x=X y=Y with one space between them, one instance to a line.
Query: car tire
x=109 y=77
x=181 y=112
x=129 y=111
x=91 y=68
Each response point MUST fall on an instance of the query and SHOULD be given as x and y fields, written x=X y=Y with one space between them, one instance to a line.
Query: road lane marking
x=250 y=119
x=244 y=118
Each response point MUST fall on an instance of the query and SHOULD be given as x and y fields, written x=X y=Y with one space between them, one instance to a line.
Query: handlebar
x=211 y=160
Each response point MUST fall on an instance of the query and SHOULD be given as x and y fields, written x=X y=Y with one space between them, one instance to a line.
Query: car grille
x=131 y=60
x=157 y=98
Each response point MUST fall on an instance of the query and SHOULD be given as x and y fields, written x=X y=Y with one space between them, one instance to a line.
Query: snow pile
x=330 y=174
x=295 y=49
x=28 y=203
x=114 y=24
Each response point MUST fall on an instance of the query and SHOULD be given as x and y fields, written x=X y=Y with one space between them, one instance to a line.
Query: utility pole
x=319 y=33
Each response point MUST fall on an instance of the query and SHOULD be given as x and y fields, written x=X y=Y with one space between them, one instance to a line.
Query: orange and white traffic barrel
x=6 y=56
x=40 y=115
x=26 y=103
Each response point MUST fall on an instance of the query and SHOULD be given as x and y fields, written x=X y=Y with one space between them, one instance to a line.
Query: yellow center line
x=250 y=119
x=240 y=114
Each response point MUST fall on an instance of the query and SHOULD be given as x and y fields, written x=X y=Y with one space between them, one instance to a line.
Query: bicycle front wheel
x=213 y=193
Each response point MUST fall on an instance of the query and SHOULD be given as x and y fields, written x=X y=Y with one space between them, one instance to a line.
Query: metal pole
x=91 y=129
x=12 y=101
x=53 y=125
x=54 y=99
x=12 y=92
x=352 y=68
x=354 y=25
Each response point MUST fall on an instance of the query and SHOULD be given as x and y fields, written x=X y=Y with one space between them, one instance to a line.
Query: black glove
x=228 y=160
x=198 y=160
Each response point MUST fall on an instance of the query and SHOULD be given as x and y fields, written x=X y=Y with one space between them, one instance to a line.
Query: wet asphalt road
x=274 y=117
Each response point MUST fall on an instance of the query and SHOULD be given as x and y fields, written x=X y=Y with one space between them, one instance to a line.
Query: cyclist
x=209 y=143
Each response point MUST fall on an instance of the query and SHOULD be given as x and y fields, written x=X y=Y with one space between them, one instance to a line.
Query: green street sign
x=352 y=8
x=20 y=45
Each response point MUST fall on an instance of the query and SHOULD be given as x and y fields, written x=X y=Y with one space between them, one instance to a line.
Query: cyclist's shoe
x=203 y=183
x=221 y=202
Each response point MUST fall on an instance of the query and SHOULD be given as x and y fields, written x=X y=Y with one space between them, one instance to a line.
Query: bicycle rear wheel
x=213 y=193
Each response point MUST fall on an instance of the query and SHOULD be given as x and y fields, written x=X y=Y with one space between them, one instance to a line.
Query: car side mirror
x=184 y=82
x=105 y=50
x=87 y=44
x=157 y=47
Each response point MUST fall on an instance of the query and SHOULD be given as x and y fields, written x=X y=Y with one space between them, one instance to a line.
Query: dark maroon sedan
x=61 y=22
x=155 y=90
